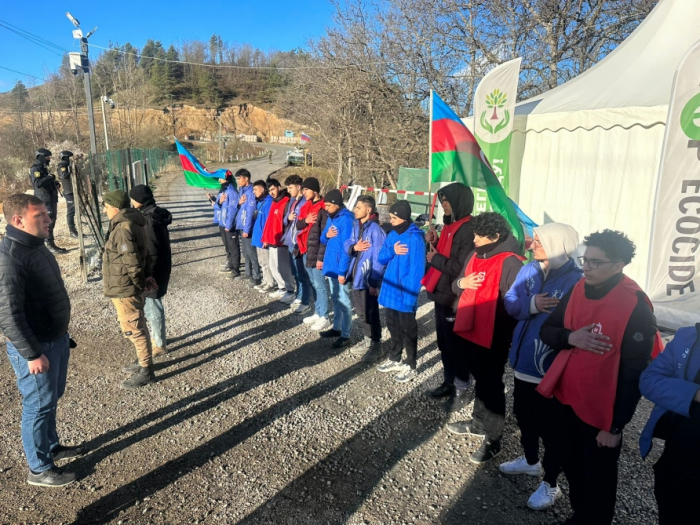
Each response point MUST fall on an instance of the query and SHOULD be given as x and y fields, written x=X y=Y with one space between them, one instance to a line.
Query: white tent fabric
x=587 y=153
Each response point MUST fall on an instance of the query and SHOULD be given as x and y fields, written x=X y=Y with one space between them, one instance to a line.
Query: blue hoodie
x=263 y=209
x=669 y=381
x=289 y=239
x=528 y=354
x=246 y=213
x=336 y=260
x=368 y=270
x=229 y=208
x=403 y=274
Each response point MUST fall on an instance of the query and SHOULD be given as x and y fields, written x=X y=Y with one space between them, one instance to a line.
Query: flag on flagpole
x=196 y=174
x=305 y=137
x=455 y=156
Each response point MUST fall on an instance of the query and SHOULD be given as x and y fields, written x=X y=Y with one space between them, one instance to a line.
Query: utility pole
x=104 y=99
x=81 y=62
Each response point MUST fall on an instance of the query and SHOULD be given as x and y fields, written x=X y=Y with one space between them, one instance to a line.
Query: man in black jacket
x=64 y=175
x=46 y=188
x=446 y=257
x=604 y=322
x=159 y=262
x=34 y=316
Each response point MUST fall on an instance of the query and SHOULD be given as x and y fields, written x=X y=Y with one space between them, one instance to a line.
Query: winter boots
x=143 y=377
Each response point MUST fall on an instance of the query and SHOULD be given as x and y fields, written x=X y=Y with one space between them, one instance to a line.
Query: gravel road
x=254 y=419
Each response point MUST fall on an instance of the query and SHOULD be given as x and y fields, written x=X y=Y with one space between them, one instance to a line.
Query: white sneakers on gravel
x=390 y=366
x=520 y=466
x=406 y=374
x=301 y=309
x=311 y=319
x=544 y=497
x=277 y=294
x=295 y=302
x=322 y=324
x=288 y=297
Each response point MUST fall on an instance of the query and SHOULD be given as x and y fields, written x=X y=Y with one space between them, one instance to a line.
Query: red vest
x=444 y=247
x=584 y=380
x=308 y=208
x=476 y=311
x=274 y=227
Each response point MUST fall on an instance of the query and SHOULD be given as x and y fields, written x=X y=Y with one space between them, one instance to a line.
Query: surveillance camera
x=75 y=71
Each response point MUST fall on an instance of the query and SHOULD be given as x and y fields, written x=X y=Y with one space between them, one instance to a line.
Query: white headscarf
x=560 y=242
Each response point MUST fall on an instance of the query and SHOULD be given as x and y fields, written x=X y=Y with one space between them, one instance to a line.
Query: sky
x=268 y=25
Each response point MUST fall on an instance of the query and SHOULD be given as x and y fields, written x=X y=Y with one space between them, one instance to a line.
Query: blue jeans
x=342 y=307
x=40 y=395
x=303 y=280
x=319 y=289
x=155 y=315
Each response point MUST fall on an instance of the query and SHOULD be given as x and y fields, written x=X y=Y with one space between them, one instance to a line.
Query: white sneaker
x=321 y=324
x=311 y=319
x=288 y=298
x=277 y=294
x=406 y=374
x=391 y=366
x=302 y=309
x=544 y=497
x=520 y=466
x=295 y=302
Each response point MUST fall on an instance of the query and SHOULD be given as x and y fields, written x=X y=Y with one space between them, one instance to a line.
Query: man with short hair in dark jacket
x=34 y=316
x=159 y=261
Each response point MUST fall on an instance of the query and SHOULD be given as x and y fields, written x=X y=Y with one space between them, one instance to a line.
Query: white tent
x=587 y=153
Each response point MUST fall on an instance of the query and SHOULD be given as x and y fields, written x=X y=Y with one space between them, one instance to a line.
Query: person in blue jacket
x=228 y=201
x=263 y=201
x=336 y=264
x=532 y=297
x=300 y=302
x=672 y=382
x=403 y=254
x=366 y=273
x=245 y=219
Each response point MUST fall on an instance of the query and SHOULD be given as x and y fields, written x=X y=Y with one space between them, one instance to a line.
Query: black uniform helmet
x=65 y=155
x=41 y=155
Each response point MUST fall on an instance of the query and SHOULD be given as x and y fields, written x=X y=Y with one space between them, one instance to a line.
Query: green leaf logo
x=690 y=118
x=496 y=99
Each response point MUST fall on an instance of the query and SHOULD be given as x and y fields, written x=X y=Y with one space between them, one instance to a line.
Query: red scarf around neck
x=444 y=247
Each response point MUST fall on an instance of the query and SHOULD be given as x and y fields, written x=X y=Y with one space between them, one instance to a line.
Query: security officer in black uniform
x=64 y=175
x=46 y=188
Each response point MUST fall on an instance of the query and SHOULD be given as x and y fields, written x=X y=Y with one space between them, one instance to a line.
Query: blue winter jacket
x=528 y=354
x=336 y=260
x=263 y=208
x=217 y=213
x=246 y=212
x=401 y=284
x=368 y=270
x=669 y=381
x=289 y=239
x=229 y=208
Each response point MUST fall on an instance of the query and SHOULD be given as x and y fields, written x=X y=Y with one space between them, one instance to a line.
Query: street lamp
x=109 y=101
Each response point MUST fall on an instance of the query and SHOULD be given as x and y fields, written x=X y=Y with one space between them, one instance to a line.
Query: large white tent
x=587 y=153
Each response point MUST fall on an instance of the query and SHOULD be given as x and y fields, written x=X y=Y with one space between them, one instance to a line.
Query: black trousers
x=533 y=413
x=70 y=211
x=252 y=266
x=591 y=470
x=454 y=362
x=52 y=207
x=367 y=310
x=404 y=333
x=677 y=472
x=233 y=248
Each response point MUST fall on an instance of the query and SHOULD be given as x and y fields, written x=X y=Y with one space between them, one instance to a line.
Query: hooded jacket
x=461 y=199
x=402 y=276
x=160 y=261
x=43 y=183
x=315 y=250
x=289 y=239
x=365 y=269
x=229 y=208
x=336 y=260
x=246 y=211
x=274 y=225
x=125 y=257
x=261 y=213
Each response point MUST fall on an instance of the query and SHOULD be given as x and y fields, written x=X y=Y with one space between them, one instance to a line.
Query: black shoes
x=54 y=477
x=61 y=452
x=486 y=452
x=255 y=282
x=141 y=378
x=374 y=354
x=226 y=269
x=232 y=276
x=466 y=427
x=341 y=341
x=330 y=333
x=132 y=368
x=457 y=402
x=444 y=390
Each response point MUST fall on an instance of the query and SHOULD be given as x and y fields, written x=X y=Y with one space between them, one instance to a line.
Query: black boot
x=143 y=377
x=53 y=248
x=443 y=390
x=375 y=352
x=457 y=402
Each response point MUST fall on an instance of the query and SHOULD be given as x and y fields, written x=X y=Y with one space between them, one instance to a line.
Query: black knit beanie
x=312 y=184
x=141 y=194
x=402 y=209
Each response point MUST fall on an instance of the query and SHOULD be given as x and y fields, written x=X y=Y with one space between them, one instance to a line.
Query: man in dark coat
x=64 y=175
x=446 y=256
x=46 y=188
x=159 y=262
x=34 y=317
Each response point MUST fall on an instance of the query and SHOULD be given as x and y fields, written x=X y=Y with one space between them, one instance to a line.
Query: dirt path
x=255 y=420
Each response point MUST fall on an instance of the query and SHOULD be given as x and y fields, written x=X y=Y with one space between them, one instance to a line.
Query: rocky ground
x=255 y=419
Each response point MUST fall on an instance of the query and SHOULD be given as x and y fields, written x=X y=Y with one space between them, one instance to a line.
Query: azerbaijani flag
x=195 y=173
x=456 y=157
x=305 y=138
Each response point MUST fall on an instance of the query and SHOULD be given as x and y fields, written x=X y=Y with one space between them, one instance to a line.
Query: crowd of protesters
x=580 y=335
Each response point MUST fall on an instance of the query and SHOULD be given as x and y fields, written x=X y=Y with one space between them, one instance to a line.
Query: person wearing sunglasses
x=603 y=332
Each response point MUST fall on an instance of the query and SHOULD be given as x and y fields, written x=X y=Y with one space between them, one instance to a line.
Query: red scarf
x=476 y=311
x=584 y=380
x=274 y=226
x=307 y=209
x=444 y=247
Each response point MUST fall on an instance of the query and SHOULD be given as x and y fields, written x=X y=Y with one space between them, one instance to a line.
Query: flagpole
x=431 y=207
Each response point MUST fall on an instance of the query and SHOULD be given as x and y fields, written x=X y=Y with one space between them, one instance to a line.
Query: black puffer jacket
x=461 y=199
x=316 y=250
x=34 y=303
x=160 y=261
